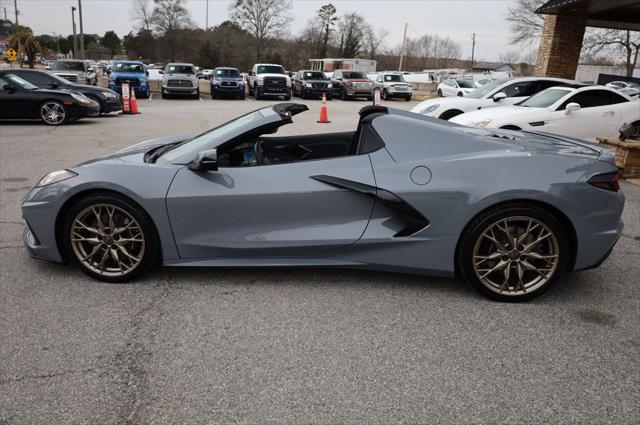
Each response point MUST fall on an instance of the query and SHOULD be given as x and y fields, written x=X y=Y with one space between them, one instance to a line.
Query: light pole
x=81 y=30
x=75 y=39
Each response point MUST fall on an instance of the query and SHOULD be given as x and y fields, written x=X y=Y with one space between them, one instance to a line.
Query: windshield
x=127 y=67
x=394 y=77
x=480 y=92
x=270 y=69
x=465 y=84
x=19 y=82
x=313 y=75
x=227 y=73
x=210 y=138
x=354 y=75
x=180 y=69
x=634 y=85
x=68 y=66
x=544 y=99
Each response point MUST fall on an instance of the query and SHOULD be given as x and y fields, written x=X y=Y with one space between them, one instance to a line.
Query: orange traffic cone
x=324 y=115
x=134 y=103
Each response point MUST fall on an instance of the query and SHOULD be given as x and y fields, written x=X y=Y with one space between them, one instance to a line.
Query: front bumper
x=140 y=90
x=317 y=92
x=180 y=90
x=111 y=104
x=399 y=93
x=274 y=91
x=83 y=111
x=227 y=89
x=358 y=92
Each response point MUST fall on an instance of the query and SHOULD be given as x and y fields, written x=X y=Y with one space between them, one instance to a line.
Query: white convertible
x=586 y=112
x=492 y=94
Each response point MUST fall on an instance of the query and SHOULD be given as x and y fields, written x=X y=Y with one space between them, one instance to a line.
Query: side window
x=36 y=78
x=589 y=99
x=520 y=89
x=337 y=74
x=616 y=98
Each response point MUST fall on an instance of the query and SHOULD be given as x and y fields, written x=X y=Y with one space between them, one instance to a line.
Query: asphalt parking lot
x=294 y=346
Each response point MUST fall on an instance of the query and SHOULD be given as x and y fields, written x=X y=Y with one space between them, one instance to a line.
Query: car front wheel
x=110 y=238
x=53 y=112
x=514 y=252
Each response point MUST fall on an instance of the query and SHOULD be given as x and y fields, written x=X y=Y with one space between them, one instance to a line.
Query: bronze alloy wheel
x=516 y=255
x=107 y=240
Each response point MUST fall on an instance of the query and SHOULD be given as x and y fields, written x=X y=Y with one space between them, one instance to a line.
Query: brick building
x=564 y=27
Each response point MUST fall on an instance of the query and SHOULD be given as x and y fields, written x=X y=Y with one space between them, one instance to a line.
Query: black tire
x=242 y=95
x=447 y=115
x=151 y=253
x=472 y=237
x=213 y=95
x=385 y=94
x=439 y=93
x=460 y=94
x=163 y=95
x=256 y=93
x=288 y=96
x=50 y=104
x=344 y=95
x=407 y=99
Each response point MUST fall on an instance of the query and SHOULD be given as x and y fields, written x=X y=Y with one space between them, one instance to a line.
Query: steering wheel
x=261 y=153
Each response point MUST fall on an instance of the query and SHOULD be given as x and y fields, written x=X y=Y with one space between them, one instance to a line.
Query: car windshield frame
x=484 y=91
x=226 y=73
x=315 y=75
x=546 y=98
x=128 y=70
x=216 y=136
x=21 y=82
x=76 y=68
x=270 y=69
x=181 y=69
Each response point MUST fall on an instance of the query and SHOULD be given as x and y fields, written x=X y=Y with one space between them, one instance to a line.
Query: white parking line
x=200 y=99
x=151 y=96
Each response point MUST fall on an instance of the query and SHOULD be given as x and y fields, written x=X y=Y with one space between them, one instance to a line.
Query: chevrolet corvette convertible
x=508 y=211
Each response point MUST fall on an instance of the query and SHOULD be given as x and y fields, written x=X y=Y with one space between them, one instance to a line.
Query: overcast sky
x=457 y=19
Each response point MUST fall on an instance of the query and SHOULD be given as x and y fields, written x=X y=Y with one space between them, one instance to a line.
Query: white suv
x=269 y=79
x=393 y=85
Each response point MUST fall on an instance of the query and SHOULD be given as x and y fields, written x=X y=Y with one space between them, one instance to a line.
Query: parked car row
x=550 y=105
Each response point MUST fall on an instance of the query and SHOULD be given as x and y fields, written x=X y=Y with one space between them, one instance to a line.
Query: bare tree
x=328 y=18
x=263 y=19
x=141 y=13
x=373 y=39
x=526 y=24
x=511 y=57
x=612 y=41
x=169 y=17
x=351 y=28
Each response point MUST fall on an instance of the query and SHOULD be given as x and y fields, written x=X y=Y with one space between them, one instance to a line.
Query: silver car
x=509 y=211
x=180 y=79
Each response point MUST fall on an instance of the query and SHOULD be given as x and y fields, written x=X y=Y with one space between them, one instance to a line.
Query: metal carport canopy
x=618 y=14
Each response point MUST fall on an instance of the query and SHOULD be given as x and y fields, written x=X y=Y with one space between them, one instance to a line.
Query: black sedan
x=19 y=99
x=108 y=99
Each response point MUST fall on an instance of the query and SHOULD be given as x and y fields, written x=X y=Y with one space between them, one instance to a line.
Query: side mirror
x=161 y=72
x=205 y=161
x=250 y=73
x=108 y=71
x=573 y=106
x=146 y=73
x=499 y=96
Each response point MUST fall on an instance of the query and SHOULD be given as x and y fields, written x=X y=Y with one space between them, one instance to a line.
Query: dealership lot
x=295 y=345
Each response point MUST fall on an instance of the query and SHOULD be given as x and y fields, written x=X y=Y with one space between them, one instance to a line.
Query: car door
x=598 y=116
x=449 y=89
x=17 y=102
x=270 y=210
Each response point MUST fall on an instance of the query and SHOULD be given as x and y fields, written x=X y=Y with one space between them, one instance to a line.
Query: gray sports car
x=509 y=211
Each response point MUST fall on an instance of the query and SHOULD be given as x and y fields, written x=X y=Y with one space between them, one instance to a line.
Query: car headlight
x=431 y=108
x=195 y=83
x=329 y=86
x=81 y=98
x=55 y=177
x=109 y=95
x=214 y=82
x=482 y=123
x=308 y=85
x=288 y=82
x=260 y=81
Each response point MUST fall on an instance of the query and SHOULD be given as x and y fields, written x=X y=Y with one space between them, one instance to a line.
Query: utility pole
x=473 y=48
x=404 y=42
x=75 y=39
x=81 y=30
x=5 y=13
x=206 y=25
x=15 y=6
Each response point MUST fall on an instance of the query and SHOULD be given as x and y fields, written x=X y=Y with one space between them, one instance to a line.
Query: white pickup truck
x=267 y=80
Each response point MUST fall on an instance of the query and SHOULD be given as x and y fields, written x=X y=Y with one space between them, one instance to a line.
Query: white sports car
x=626 y=87
x=492 y=94
x=455 y=87
x=586 y=112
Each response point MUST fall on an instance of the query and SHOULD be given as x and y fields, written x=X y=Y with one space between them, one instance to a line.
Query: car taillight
x=608 y=181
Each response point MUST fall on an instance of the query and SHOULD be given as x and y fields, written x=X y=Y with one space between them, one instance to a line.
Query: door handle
x=608 y=114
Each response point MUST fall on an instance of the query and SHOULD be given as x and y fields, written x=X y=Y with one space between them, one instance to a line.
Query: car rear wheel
x=53 y=112
x=110 y=238
x=513 y=253
x=385 y=95
x=439 y=93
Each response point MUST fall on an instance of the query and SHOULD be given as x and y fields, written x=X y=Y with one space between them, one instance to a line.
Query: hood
x=140 y=75
x=268 y=74
x=228 y=79
x=502 y=114
x=135 y=153
x=464 y=103
x=357 y=80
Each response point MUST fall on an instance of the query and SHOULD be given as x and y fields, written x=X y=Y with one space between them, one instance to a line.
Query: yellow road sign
x=11 y=53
